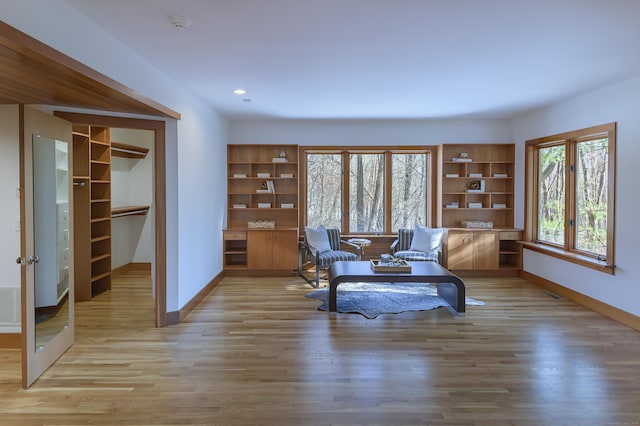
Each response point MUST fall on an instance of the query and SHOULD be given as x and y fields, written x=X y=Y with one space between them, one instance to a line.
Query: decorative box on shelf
x=477 y=224
x=261 y=224
x=477 y=186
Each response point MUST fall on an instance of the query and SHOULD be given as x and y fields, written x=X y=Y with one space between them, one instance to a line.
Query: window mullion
x=346 y=190
x=387 y=192
x=570 y=196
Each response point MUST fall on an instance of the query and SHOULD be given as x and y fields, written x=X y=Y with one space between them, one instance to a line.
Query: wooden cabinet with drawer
x=486 y=252
x=472 y=250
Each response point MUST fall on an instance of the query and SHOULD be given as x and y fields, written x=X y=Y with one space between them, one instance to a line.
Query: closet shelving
x=92 y=210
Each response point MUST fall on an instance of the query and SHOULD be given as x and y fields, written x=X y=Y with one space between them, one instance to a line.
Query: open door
x=46 y=249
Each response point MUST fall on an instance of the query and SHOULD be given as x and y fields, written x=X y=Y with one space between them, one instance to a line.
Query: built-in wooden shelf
x=129 y=211
x=119 y=149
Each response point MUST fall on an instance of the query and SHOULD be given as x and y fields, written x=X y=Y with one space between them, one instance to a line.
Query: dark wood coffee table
x=450 y=287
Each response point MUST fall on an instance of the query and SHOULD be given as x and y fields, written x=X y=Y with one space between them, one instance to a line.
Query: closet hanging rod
x=128 y=151
x=129 y=211
x=133 y=213
x=120 y=149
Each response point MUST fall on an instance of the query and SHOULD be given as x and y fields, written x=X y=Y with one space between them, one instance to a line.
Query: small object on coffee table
x=394 y=265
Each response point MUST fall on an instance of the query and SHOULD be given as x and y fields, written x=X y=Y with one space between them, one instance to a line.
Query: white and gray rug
x=373 y=299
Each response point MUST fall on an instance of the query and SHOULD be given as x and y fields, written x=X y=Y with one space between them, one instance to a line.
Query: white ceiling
x=381 y=59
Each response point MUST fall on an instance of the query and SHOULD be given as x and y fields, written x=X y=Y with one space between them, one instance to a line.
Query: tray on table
x=378 y=266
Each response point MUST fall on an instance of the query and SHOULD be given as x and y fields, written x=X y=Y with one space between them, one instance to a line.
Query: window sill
x=578 y=259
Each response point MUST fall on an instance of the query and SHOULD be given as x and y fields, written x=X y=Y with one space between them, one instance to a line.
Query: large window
x=324 y=190
x=366 y=195
x=366 y=191
x=571 y=181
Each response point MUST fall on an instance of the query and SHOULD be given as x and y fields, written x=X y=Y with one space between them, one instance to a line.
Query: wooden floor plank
x=257 y=352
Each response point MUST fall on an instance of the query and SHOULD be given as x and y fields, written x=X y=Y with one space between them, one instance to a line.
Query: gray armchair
x=322 y=258
x=427 y=248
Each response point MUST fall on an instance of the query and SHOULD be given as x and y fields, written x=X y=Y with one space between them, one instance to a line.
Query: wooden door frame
x=160 y=184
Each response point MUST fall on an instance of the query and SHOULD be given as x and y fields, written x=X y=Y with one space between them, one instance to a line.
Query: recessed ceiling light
x=239 y=91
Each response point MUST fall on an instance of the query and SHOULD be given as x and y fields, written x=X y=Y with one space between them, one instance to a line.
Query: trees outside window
x=382 y=190
x=366 y=181
x=409 y=189
x=324 y=190
x=571 y=181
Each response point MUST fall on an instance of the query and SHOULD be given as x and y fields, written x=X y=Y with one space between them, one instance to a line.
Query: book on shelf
x=264 y=205
x=454 y=205
x=475 y=175
x=279 y=160
x=286 y=205
x=286 y=175
x=500 y=175
x=474 y=205
x=262 y=191
x=270 y=186
x=239 y=175
x=461 y=160
x=452 y=175
x=499 y=206
x=263 y=175
x=239 y=206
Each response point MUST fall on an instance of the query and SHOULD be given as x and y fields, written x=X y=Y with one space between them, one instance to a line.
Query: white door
x=46 y=252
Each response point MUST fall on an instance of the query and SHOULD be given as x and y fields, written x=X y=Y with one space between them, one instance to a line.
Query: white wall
x=378 y=132
x=194 y=233
x=132 y=237
x=10 y=205
x=202 y=189
x=617 y=103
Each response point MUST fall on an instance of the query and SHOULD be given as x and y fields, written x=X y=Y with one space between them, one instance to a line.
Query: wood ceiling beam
x=33 y=73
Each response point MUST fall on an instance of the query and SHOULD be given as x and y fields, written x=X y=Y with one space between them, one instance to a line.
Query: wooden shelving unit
x=491 y=163
x=100 y=150
x=92 y=210
x=261 y=186
x=463 y=168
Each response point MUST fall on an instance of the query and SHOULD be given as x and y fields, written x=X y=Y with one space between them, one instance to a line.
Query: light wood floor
x=256 y=352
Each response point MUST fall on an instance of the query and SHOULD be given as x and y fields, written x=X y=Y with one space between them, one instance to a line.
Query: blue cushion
x=417 y=256
x=327 y=258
